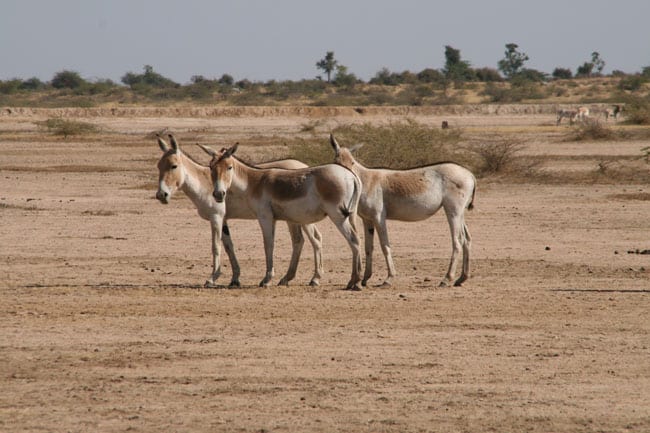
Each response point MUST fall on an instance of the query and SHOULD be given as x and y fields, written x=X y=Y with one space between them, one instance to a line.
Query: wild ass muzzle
x=177 y=170
x=302 y=196
x=412 y=195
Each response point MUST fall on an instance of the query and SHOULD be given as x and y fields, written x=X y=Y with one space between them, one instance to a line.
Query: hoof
x=283 y=282
x=353 y=288
x=314 y=283
x=209 y=284
x=234 y=283
x=364 y=282
x=386 y=284
x=443 y=283
x=459 y=282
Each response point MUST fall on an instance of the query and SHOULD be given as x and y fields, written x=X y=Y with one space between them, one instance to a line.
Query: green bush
x=396 y=145
x=67 y=80
x=592 y=129
x=637 y=110
x=66 y=128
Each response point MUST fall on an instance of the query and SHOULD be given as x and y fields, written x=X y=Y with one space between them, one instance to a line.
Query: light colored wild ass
x=302 y=196
x=412 y=195
x=176 y=170
x=614 y=112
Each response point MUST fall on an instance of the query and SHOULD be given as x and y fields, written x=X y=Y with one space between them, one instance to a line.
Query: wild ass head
x=170 y=171
x=342 y=155
x=221 y=170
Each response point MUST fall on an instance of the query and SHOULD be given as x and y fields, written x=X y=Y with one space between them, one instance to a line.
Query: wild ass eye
x=174 y=166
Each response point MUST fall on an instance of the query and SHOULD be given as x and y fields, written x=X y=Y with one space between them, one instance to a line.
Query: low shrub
x=396 y=145
x=66 y=127
x=591 y=129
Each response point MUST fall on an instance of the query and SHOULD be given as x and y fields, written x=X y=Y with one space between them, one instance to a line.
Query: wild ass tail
x=470 y=205
x=351 y=207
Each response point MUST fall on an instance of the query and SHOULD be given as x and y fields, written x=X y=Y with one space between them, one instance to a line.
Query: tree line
x=510 y=82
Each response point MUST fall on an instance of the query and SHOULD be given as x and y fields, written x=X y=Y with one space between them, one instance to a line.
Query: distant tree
x=32 y=84
x=10 y=86
x=430 y=76
x=528 y=74
x=227 y=80
x=562 y=73
x=343 y=77
x=513 y=61
x=456 y=69
x=386 y=77
x=585 y=70
x=645 y=72
x=598 y=63
x=488 y=75
x=328 y=65
x=148 y=78
x=67 y=80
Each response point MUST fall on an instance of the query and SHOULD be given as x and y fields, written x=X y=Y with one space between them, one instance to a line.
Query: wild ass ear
x=163 y=144
x=173 y=141
x=208 y=150
x=231 y=150
x=335 y=145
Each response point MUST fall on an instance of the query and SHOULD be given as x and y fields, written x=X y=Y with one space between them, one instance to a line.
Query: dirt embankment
x=266 y=111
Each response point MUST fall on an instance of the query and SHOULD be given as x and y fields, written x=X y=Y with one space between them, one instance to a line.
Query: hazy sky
x=283 y=39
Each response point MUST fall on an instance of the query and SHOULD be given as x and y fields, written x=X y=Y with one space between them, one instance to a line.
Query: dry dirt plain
x=105 y=325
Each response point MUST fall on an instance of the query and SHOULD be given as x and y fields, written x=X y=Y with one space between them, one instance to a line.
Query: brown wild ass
x=302 y=196
x=412 y=195
x=176 y=170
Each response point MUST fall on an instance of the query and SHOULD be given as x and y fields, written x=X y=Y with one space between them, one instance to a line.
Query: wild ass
x=568 y=114
x=302 y=196
x=176 y=170
x=412 y=195
x=579 y=114
x=614 y=112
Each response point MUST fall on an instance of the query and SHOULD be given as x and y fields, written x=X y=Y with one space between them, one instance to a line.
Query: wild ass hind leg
x=349 y=233
x=458 y=242
x=297 y=242
x=369 y=240
x=382 y=234
x=316 y=240
x=466 y=249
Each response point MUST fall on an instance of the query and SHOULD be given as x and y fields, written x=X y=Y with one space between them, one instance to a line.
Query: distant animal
x=176 y=170
x=445 y=124
x=412 y=195
x=566 y=114
x=302 y=196
x=614 y=112
x=582 y=114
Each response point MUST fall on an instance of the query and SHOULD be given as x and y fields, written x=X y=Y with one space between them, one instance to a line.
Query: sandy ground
x=105 y=325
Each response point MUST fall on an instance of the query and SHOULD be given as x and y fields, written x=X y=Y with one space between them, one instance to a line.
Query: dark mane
x=419 y=166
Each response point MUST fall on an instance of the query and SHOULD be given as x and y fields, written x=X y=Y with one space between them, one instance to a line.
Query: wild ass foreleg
x=267 y=225
x=297 y=242
x=382 y=234
x=368 y=238
x=215 y=226
x=230 y=251
x=316 y=241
